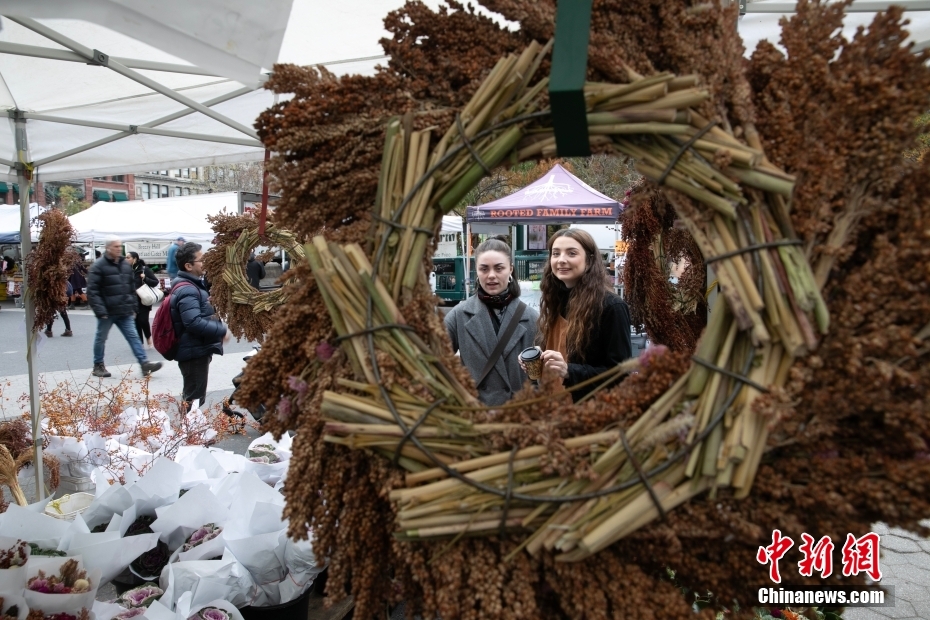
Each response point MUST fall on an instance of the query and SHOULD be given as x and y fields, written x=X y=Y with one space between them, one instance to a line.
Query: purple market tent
x=558 y=197
x=555 y=198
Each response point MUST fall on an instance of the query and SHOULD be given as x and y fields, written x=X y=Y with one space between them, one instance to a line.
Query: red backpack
x=164 y=336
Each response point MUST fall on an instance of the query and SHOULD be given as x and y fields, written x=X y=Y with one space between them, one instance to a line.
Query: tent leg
x=468 y=287
x=29 y=305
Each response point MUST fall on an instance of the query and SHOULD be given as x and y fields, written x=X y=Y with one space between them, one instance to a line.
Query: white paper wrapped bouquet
x=195 y=537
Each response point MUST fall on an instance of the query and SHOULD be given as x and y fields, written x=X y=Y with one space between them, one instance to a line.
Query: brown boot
x=68 y=333
x=49 y=333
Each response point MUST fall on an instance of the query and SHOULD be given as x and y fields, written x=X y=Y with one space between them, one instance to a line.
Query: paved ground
x=905 y=564
x=62 y=359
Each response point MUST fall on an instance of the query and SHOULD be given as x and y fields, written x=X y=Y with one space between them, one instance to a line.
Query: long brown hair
x=583 y=305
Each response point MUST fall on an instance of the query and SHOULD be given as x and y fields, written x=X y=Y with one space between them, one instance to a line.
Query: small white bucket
x=69 y=506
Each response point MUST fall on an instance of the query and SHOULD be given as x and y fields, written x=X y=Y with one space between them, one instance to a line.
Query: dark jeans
x=64 y=317
x=125 y=326
x=142 y=322
x=195 y=373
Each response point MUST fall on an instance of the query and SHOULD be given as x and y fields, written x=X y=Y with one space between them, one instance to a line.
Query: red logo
x=774 y=552
x=861 y=555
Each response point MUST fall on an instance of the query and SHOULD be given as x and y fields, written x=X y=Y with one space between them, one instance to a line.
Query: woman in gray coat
x=476 y=324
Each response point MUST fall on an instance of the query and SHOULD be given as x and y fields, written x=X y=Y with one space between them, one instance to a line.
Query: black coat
x=255 y=271
x=148 y=277
x=609 y=345
x=111 y=288
x=194 y=319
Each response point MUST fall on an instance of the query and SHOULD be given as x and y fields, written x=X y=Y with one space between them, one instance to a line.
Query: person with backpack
x=198 y=333
x=111 y=292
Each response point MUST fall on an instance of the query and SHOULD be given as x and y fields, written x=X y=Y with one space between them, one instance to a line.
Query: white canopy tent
x=164 y=219
x=11 y=222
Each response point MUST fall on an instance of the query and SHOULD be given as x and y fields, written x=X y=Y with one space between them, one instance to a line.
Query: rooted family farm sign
x=558 y=197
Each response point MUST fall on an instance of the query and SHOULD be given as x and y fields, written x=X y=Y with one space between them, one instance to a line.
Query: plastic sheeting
x=756 y=26
x=10 y=221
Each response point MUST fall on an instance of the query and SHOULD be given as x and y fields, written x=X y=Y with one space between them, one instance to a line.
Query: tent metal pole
x=145 y=130
x=25 y=237
x=468 y=285
x=7 y=162
x=160 y=121
x=97 y=57
x=860 y=6
x=37 y=51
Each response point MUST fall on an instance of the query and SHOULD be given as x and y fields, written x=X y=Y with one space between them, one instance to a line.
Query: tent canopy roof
x=141 y=108
x=556 y=197
x=164 y=219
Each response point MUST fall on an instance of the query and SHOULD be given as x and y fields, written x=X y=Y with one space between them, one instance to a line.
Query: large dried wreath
x=248 y=312
x=331 y=137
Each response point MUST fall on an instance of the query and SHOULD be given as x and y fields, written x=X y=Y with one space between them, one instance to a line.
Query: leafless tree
x=244 y=177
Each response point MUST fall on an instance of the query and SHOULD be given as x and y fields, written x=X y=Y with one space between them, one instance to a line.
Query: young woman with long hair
x=476 y=325
x=583 y=326
x=144 y=275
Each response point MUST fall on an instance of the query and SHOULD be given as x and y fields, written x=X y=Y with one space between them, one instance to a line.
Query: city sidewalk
x=168 y=380
x=905 y=564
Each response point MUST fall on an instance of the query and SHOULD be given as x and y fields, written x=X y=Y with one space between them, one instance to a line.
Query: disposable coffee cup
x=532 y=360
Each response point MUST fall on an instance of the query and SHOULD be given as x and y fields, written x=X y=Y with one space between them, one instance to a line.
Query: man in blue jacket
x=172 y=262
x=200 y=333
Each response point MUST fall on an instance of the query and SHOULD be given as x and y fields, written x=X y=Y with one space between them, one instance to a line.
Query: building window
x=187 y=191
x=163 y=173
x=185 y=173
x=164 y=191
x=120 y=178
x=146 y=191
x=138 y=191
x=177 y=191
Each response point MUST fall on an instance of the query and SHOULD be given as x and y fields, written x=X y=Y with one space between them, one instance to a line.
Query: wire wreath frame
x=737 y=214
x=240 y=291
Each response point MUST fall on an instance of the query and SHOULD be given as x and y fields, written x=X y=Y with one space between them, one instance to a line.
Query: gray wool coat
x=472 y=333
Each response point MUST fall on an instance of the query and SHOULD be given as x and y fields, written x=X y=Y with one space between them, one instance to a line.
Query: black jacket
x=111 y=288
x=608 y=345
x=255 y=271
x=148 y=277
x=200 y=333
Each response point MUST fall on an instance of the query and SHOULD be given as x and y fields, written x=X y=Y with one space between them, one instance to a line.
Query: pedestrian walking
x=63 y=311
x=200 y=334
x=585 y=327
x=172 y=261
x=111 y=292
x=142 y=275
x=78 y=282
x=255 y=271
x=492 y=327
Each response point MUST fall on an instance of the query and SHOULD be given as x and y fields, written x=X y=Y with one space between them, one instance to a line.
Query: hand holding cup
x=532 y=362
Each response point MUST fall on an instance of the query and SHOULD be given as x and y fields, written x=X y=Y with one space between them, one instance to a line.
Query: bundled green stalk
x=702 y=434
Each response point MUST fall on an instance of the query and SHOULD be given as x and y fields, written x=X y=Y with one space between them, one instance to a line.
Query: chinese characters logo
x=859 y=555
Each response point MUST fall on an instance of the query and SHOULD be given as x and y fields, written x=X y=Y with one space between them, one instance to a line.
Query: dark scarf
x=495 y=301
x=495 y=305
